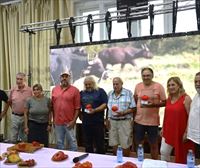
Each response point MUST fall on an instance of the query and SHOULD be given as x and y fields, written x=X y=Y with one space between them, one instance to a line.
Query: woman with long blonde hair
x=174 y=131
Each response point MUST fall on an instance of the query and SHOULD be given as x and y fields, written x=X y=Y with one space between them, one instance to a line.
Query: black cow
x=119 y=55
x=76 y=62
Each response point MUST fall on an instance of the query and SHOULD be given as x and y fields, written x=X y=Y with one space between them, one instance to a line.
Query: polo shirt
x=18 y=98
x=65 y=102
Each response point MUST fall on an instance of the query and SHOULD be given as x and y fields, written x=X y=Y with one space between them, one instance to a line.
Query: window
x=186 y=20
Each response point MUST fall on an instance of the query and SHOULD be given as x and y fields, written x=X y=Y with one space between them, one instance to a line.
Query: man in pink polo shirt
x=16 y=100
x=66 y=106
x=150 y=96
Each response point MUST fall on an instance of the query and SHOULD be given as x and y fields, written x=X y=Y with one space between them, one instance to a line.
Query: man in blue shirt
x=93 y=103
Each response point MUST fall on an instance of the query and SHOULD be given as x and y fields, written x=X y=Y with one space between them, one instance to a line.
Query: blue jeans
x=62 y=132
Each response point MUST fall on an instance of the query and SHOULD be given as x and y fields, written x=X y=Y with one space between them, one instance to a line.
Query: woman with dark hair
x=174 y=131
x=38 y=116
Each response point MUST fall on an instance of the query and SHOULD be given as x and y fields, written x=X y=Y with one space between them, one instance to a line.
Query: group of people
x=128 y=115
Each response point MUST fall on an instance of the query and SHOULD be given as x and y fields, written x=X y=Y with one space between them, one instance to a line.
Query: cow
x=76 y=62
x=120 y=55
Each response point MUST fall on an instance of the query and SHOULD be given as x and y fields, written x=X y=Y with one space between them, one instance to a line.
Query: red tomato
x=58 y=156
x=35 y=143
x=88 y=106
x=21 y=145
x=86 y=164
x=129 y=165
x=145 y=97
x=114 y=108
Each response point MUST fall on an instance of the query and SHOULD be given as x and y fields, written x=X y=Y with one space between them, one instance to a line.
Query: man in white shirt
x=194 y=116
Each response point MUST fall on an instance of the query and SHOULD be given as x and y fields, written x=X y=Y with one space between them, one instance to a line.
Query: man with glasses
x=66 y=106
x=17 y=98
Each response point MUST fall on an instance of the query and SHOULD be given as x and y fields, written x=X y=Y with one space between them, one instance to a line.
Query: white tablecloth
x=43 y=159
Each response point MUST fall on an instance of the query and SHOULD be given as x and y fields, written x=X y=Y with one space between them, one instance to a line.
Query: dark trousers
x=38 y=132
x=94 y=137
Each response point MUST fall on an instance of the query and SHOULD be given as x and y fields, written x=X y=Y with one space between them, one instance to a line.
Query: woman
x=38 y=116
x=93 y=104
x=174 y=129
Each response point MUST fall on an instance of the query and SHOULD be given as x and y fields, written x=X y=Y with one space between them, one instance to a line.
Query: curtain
x=14 y=45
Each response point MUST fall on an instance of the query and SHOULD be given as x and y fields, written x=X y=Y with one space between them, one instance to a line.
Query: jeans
x=165 y=150
x=62 y=132
x=17 y=129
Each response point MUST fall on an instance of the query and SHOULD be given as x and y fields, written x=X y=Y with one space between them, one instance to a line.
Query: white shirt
x=194 y=120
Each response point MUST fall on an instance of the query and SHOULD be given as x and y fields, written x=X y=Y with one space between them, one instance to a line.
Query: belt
x=118 y=119
x=18 y=114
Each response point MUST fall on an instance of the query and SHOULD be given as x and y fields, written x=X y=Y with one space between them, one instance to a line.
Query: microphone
x=77 y=159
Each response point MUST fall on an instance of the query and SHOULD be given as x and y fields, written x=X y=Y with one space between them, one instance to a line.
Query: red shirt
x=65 y=102
x=18 y=97
x=174 y=126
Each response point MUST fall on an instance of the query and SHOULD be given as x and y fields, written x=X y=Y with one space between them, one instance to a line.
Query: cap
x=66 y=72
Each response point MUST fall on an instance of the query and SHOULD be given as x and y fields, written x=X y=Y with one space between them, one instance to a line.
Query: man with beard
x=66 y=105
x=193 y=132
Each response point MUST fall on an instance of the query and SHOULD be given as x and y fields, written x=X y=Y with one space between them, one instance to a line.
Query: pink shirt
x=18 y=97
x=65 y=102
x=156 y=93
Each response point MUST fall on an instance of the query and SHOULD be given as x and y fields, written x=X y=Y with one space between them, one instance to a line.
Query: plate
x=28 y=148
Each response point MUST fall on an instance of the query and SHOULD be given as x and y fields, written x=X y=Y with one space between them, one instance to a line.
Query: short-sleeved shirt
x=123 y=101
x=38 y=109
x=194 y=120
x=156 y=93
x=65 y=102
x=3 y=97
x=18 y=98
x=95 y=98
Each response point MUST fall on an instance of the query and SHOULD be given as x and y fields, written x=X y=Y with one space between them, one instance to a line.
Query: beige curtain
x=14 y=45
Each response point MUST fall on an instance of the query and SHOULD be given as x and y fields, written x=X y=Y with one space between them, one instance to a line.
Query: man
x=66 y=105
x=193 y=132
x=16 y=100
x=149 y=96
x=93 y=103
x=121 y=106
x=3 y=97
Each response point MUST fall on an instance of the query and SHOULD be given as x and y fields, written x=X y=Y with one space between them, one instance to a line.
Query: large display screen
x=171 y=56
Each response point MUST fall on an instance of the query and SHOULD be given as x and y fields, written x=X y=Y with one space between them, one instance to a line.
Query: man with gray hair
x=121 y=107
x=193 y=132
x=16 y=100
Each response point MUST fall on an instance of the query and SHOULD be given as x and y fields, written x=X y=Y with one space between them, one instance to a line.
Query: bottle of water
x=190 y=159
x=119 y=154
x=140 y=153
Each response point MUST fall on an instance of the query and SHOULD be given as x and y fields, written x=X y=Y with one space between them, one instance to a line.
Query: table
x=43 y=159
